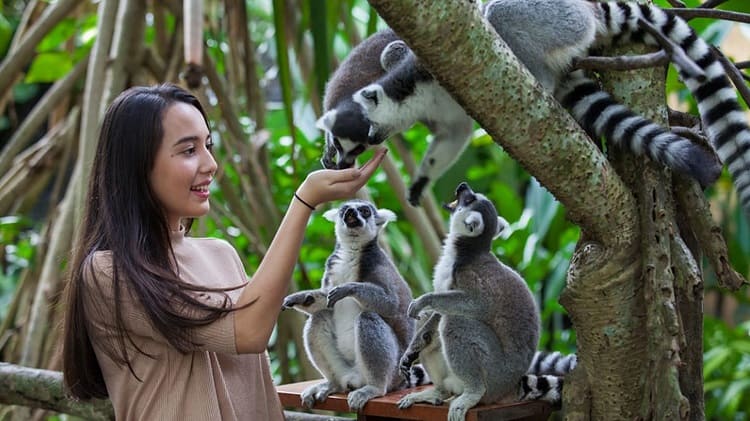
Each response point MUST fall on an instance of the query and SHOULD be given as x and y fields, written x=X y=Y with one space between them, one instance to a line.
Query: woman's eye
x=189 y=151
x=210 y=146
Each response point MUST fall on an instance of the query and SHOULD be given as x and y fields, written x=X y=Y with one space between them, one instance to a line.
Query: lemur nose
x=351 y=218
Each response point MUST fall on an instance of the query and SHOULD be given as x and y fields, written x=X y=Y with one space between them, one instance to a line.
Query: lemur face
x=472 y=214
x=358 y=222
x=386 y=116
x=346 y=130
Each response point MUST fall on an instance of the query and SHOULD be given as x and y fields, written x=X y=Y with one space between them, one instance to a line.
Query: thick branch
x=498 y=92
x=37 y=388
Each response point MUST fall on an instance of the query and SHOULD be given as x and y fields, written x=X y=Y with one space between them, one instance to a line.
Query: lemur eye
x=469 y=200
x=365 y=212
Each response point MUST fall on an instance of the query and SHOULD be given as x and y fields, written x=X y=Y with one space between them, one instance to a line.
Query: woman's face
x=184 y=166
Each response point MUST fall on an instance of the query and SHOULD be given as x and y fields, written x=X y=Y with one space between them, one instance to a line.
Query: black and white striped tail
x=543 y=388
x=554 y=363
x=544 y=378
x=418 y=376
x=601 y=116
x=723 y=119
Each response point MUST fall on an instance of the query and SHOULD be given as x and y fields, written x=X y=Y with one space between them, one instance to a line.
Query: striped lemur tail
x=415 y=375
x=544 y=379
x=722 y=116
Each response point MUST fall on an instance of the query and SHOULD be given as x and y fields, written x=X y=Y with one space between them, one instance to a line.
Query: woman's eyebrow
x=189 y=139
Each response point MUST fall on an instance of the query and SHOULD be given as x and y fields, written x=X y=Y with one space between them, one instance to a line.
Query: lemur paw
x=304 y=299
x=416 y=307
x=357 y=399
x=416 y=189
x=407 y=360
x=336 y=294
x=406 y=401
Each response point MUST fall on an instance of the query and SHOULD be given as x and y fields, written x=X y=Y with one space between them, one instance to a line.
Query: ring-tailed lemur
x=543 y=379
x=487 y=319
x=348 y=132
x=546 y=35
x=357 y=326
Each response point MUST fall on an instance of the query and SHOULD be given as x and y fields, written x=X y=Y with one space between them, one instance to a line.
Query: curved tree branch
x=38 y=388
x=701 y=12
x=495 y=89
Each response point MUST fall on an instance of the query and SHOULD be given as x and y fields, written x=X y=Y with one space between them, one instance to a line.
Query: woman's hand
x=326 y=185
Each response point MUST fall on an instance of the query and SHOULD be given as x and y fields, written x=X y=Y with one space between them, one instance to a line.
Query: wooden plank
x=385 y=407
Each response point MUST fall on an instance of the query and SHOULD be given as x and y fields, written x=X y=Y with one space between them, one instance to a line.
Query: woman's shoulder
x=100 y=262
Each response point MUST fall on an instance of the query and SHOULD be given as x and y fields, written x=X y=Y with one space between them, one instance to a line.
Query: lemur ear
x=331 y=214
x=392 y=54
x=327 y=121
x=502 y=226
x=384 y=216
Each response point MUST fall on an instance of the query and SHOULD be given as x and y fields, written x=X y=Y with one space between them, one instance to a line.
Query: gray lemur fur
x=486 y=319
x=357 y=326
x=348 y=130
x=546 y=35
x=543 y=380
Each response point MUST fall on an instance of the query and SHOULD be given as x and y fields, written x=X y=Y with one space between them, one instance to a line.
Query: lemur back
x=487 y=319
x=570 y=28
x=358 y=325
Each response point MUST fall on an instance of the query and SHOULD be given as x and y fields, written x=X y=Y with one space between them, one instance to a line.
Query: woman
x=165 y=325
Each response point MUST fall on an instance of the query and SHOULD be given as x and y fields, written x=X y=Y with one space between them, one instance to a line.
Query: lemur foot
x=317 y=393
x=431 y=396
x=416 y=189
x=357 y=399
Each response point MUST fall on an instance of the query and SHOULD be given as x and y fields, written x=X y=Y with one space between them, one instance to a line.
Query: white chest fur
x=346 y=311
x=443 y=276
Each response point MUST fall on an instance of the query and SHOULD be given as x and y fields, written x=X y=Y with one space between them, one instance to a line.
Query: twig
x=679 y=118
x=688 y=14
x=711 y=4
x=690 y=198
x=695 y=136
x=675 y=52
x=657 y=58
x=676 y=3
x=742 y=64
x=734 y=75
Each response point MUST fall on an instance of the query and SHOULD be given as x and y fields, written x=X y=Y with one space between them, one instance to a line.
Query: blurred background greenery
x=293 y=48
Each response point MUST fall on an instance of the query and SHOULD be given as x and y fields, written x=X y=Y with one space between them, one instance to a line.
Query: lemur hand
x=337 y=293
x=302 y=298
x=414 y=308
x=323 y=186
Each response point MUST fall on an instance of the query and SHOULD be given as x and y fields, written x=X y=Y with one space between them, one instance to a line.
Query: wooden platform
x=385 y=408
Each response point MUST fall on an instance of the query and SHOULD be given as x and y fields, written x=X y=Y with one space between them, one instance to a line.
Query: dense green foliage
x=539 y=245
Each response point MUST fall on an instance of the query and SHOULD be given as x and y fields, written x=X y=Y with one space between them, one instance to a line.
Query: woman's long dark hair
x=123 y=215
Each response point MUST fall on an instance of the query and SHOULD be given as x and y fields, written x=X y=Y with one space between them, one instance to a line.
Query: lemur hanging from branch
x=382 y=89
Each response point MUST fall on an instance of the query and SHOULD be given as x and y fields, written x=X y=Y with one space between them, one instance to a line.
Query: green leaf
x=49 y=67
x=6 y=34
